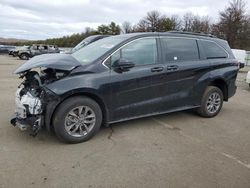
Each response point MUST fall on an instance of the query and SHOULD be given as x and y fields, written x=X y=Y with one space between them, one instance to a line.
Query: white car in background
x=248 y=78
x=241 y=56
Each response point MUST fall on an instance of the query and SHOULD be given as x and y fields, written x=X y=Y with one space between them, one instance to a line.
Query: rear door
x=184 y=66
x=51 y=49
x=34 y=49
x=44 y=49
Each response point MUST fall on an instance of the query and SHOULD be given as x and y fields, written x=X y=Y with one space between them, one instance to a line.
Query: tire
x=24 y=56
x=65 y=120
x=210 y=108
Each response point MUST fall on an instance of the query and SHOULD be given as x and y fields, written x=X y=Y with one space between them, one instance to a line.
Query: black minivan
x=124 y=77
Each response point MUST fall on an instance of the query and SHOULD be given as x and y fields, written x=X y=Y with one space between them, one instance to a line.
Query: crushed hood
x=55 y=61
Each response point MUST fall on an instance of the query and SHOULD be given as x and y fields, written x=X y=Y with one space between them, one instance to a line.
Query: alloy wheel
x=80 y=121
x=213 y=103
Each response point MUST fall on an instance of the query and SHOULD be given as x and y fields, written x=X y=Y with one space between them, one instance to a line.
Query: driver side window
x=140 y=52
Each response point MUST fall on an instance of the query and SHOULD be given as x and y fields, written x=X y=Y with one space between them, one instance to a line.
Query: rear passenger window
x=212 y=50
x=178 y=49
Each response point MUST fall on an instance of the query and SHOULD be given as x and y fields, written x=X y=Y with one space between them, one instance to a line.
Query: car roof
x=171 y=33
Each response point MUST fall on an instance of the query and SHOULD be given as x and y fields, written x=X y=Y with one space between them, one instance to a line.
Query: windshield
x=83 y=43
x=96 y=49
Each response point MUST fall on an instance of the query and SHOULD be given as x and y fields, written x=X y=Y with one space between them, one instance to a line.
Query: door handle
x=157 y=69
x=172 y=67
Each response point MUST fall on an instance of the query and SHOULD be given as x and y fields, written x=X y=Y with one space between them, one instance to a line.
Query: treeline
x=233 y=25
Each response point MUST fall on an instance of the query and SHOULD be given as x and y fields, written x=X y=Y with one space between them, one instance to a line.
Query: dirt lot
x=173 y=150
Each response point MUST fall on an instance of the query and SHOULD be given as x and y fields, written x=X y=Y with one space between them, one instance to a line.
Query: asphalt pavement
x=172 y=150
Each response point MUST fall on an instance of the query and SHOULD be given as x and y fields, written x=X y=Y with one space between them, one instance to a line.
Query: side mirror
x=123 y=65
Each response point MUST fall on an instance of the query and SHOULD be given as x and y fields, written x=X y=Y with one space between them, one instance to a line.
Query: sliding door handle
x=157 y=69
x=172 y=67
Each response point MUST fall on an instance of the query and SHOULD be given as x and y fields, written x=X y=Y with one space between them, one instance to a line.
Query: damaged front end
x=28 y=112
x=32 y=97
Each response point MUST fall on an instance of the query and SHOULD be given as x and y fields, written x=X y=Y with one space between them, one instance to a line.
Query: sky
x=41 y=19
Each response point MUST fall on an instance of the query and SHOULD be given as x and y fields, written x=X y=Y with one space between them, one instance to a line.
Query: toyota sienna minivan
x=124 y=77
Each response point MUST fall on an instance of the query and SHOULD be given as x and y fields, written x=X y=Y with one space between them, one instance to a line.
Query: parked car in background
x=4 y=49
x=240 y=55
x=14 y=52
x=87 y=41
x=124 y=77
x=248 y=78
x=38 y=49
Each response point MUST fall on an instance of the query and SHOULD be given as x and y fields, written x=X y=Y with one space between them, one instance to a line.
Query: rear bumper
x=232 y=88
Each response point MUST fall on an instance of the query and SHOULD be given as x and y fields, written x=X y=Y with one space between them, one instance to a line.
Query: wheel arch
x=222 y=85
x=26 y=53
x=49 y=117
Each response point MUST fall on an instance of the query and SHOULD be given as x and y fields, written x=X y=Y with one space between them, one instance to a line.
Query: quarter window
x=140 y=52
x=178 y=49
x=212 y=50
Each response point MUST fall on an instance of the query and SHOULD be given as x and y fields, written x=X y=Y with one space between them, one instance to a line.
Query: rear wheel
x=211 y=103
x=77 y=119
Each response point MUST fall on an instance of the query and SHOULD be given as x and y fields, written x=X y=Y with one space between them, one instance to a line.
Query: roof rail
x=193 y=33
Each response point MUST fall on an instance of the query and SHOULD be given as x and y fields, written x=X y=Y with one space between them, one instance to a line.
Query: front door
x=132 y=91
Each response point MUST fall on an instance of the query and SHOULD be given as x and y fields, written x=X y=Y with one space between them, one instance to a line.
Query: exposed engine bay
x=32 y=97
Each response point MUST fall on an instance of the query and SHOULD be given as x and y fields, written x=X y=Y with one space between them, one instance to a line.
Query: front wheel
x=77 y=119
x=24 y=56
x=211 y=103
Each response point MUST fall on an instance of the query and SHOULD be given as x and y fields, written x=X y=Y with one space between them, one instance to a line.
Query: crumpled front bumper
x=28 y=113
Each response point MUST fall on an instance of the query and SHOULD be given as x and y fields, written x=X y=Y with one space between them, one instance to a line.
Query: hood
x=55 y=61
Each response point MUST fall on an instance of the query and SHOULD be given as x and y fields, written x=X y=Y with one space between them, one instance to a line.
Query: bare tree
x=149 y=23
x=177 y=22
x=127 y=27
x=233 y=23
x=196 y=23
x=187 y=21
x=153 y=20
x=142 y=26
x=244 y=36
x=201 y=24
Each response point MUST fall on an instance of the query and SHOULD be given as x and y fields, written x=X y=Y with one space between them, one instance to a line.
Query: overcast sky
x=41 y=19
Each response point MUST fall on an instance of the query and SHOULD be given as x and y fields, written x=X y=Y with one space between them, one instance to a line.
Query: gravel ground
x=173 y=150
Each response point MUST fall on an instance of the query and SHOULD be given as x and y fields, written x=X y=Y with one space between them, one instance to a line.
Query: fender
x=53 y=105
x=92 y=84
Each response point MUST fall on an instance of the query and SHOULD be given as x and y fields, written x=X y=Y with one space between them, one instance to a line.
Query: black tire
x=203 y=109
x=59 y=119
x=24 y=56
